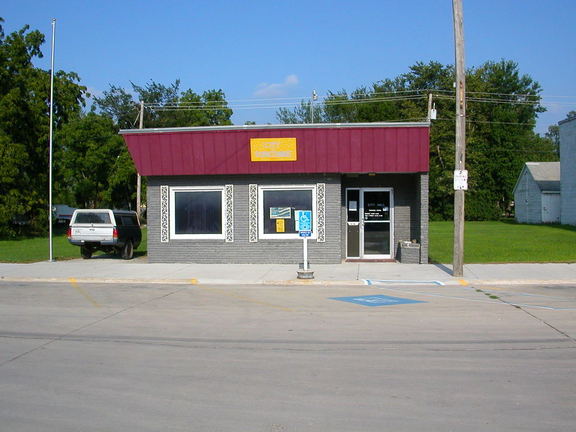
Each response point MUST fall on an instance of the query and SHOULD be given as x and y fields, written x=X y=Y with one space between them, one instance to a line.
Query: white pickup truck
x=111 y=231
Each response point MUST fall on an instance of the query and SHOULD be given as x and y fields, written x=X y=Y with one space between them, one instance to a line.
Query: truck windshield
x=93 y=217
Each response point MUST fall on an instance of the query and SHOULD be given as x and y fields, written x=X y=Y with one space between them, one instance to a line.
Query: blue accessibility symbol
x=303 y=220
x=376 y=300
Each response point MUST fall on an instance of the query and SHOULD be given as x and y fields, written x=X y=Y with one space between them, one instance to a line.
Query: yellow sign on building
x=280 y=226
x=272 y=149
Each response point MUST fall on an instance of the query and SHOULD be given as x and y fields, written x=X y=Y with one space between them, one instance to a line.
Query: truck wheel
x=86 y=252
x=127 y=250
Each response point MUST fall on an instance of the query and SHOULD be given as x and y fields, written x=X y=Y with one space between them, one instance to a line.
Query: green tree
x=165 y=106
x=300 y=114
x=502 y=109
x=24 y=127
x=119 y=105
x=89 y=152
x=121 y=190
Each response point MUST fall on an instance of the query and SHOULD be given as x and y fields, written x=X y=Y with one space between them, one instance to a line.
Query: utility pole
x=460 y=173
x=138 y=178
x=431 y=109
x=314 y=97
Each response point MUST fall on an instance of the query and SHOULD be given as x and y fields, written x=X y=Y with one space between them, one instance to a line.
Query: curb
x=291 y=282
x=182 y=281
x=523 y=282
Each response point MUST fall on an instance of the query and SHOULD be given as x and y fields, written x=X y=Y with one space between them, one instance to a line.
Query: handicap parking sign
x=303 y=220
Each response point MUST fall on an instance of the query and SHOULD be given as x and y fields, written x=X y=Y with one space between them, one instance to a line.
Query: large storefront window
x=196 y=213
x=277 y=210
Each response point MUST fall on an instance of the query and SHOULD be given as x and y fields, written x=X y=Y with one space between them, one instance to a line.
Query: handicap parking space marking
x=376 y=300
x=475 y=300
x=396 y=282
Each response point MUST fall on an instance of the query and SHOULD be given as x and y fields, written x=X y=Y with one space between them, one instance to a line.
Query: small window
x=196 y=213
x=128 y=220
x=93 y=218
x=277 y=207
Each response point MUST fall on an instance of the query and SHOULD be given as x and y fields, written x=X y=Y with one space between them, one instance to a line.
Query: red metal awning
x=322 y=148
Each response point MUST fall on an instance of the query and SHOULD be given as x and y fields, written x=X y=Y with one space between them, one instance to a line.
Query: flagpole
x=51 y=139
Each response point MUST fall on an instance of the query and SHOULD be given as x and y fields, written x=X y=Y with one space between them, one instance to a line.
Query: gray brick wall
x=424 y=216
x=241 y=250
x=410 y=219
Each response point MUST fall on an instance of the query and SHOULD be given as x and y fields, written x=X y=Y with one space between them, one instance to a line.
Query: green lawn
x=485 y=242
x=499 y=242
x=37 y=248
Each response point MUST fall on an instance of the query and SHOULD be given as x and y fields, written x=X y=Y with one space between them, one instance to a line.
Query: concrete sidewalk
x=107 y=269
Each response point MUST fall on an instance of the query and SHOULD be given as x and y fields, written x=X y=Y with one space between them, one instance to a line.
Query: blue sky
x=255 y=50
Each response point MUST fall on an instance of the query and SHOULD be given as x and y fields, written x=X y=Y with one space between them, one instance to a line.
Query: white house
x=537 y=193
x=568 y=174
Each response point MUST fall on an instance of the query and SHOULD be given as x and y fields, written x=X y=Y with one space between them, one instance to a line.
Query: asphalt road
x=104 y=357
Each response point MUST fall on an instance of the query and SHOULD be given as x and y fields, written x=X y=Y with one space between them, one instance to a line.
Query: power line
x=358 y=99
x=368 y=95
x=493 y=100
x=329 y=102
x=490 y=122
x=297 y=99
x=201 y=106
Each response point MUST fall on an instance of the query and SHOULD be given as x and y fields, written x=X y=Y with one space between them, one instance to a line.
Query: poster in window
x=280 y=213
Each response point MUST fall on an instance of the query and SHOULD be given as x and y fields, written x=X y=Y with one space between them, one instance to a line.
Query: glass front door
x=376 y=223
x=369 y=223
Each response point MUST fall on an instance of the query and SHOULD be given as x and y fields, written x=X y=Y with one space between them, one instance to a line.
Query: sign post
x=303 y=220
x=305 y=251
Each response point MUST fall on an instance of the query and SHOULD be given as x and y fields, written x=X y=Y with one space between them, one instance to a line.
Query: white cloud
x=266 y=90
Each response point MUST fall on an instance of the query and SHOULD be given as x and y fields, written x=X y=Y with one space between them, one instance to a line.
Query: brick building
x=231 y=194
